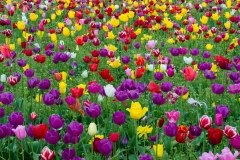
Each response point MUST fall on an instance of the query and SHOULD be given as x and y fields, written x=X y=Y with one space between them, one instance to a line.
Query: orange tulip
x=189 y=73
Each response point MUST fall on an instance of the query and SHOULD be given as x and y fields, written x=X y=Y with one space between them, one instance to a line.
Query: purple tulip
x=56 y=121
x=2 y=131
x=121 y=95
x=103 y=52
x=234 y=76
x=1 y=87
x=174 y=51
x=33 y=82
x=78 y=158
x=105 y=147
x=52 y=136
x=9 y=128
x=94 y=88
x=141 y=87
x=218 y=88
x=59 y=101
x=236 y=63
x=234 y=88
x=170 y=129
x=6 y=98
x=194 y=51
x=2 y=112
x=137 y=45
x=209 y=74
x=29 y=73
x=195 y=130
x=119 y=118
x=133 y=94
x=158 y=98
x=16 y=118
x=158 y=76
x=29 y=131
x=223 y=110
x=145 y=157
x=206 y=54
x=55 y=93
x=22 y=62
x=75 y=129
x=48 y=99
x=44 y=84
x=125 y=59
x=94 y=110
x=170 y=72
x=124 y=141
x=18 y=75
x=218 y=119
x=235 y=142
x=70 y=100
x=67 y=138
x=166 y=86
x=48 y=52
x=68 y=153
x=204 y=66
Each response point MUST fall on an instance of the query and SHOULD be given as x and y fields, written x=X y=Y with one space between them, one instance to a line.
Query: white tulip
x=116 y=6
x=150 y=67
x=109 y=90
x=92 y=129
x=187 y=60
x=84 y=74
x=73 y=55
x=100 y=98
x=61 y=42
x=3 y=78
x=163 y=67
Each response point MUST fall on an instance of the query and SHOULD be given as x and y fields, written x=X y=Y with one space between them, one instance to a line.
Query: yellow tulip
x=19 y=41
x=12 y=47
x=215 y=16
x=130 y=14
x=58 y=12
x=227 y=25
x=132 y=74
x=226 y=37
x=53 y=17
x=195 y=28
x=178 y=17
x=209 y=47
x=204 y=19
x=60 y=25
x=38 y=98
x=110 y=35
x=64 y=76
x=53 y=37
x=20 y=25
x=227 y=15
x=123 y=17
x=158 y=150
x=136 y=110
x=71 y=14
x=33 y=16
x=229 y=3
x=66 y=32
x=115 y=64
x=185 y=96
x=78 y=27
x=26 y=67
x=143 y=131
x=62 y=87
x=114 y=22
x=112 y=48
x=214 y=68
x=170 y=41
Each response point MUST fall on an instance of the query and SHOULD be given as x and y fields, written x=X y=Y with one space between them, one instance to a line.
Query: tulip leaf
x=35 y=146
x=167 y=142
x=198 y=140
x=132 y=157
x=36 y=156
x=19 y=103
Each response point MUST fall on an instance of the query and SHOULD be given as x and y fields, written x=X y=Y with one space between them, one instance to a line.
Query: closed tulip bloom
x=77 y=92
x=234 y=76
x=187 y=60
x=33 y=82
x=133 y=94
x=209 y=74
x=194 y=51
x=181 y=90
x=6 y=98
x=39 y=131
x=56 y=121
x=29 y=73
x=47 y=154
x=20 y=132
x=158 y=76
x=158 y=99
x=195 y=131
x=9 y=127
x=75 y=128
x=205 y=122
x=55 y=93
x=92 y=129
x=121 y=95
x=105 y=147
x=70 y=100
x=109 y=90
x=208 y=156
x=16 y=118
x=68 y=153
x=235 y=142
x=3 y=78
x=2 y=131
x=170 y=129
x=48 y=99
x=44 y=84
x=145 y=157
x=114 y=137
x=158 y=150
x=166 y=86
x=119 y=118
x=218 y=88
x=218 y=119
x=234 y=88
x=2 y=112
x=94 y=110
x=67 y=138
x=136 y=110
x=94 y=88
x=22 y=62
x=29 y=131
x=215 y=136
x=125 y=59
x=230 y=132
x=52 y=136
x=204 y=66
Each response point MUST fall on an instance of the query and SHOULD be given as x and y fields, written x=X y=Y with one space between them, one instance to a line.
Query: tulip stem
x=32 y=147
x=22 y=150
x=204 y=141
x=136 y=139
x=56 y=151
x=1 y=151
x=92 y=152
x=9 y=156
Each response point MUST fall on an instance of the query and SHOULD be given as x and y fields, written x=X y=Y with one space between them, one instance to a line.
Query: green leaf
x=36 y=156
x=167 y=142
x=132 y=157
x=19 y=102
x=35 y=146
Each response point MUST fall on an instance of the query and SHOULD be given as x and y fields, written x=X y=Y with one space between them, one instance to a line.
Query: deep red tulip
x=77 y=92
x=87 y=59
x=39 y=131
x=93 y=67
x=104 y=73
x=215 y=136
x=114 y=137
x=40 y=58
x=139 y=72
x=160 y=122
x=12 y=80
x=153 y=87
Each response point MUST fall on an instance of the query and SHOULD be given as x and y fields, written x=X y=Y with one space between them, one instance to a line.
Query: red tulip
x=1 y=58
x=95 y=53
x=40 y=58
x=215 y=136
x=77 y=92
x=181 y=134
x=12 y=80
x=93 y=67
x=104 y=73
x=140 y=61
x=58 y=76
x=205 y=122
x=33 y=116
x=28 y=52
x=139 y=72
x=153 y=87
x=114 y=137
x=160 y=122
x=96 y=42
x=39 y=131
x=87 y=59
x=230 y=132
x=5 y=50
x=110 y=79
x=95 y=60
x=47 y=154
x=79 y=40
x=189 y=73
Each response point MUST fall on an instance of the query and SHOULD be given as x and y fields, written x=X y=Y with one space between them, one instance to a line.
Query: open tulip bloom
x=105 y=79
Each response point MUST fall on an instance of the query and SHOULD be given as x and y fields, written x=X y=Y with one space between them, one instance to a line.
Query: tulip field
x=119 y=80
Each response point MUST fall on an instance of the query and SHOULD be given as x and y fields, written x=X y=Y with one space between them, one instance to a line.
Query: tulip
x=105 y=147
x=215 y=136
x=208 y=156
x=227 y=154
x=145 y=157
x=205 y=122
x=218 y=119
x=16 y=118
x=20 y=132
x=158 y=98
x=173 y=116
x=77 y=92
x=114 y=137
x=2 y=112
x=2 y=131
x=189 y=73
x=158 y=150
x=136 y=110
x=47 y=154
x=33 y=116
x=1 y=88
x=187 y=60
x=44 y=84
x=170 y=129
x=119 y=118
x=92 y=129
x=94 y=88
x=39 y=131
x=67 y=138
x=75 y=129
x=52 y=136
x=3 y=78
x=235 y=142
x=223 y=110
x=158 y=76
x=48 y=99
x=195 y=130
x=109 y=90
x=230 y=132
x=94 y=110
x=68 y=153
x=56 y=121
x=6 y=98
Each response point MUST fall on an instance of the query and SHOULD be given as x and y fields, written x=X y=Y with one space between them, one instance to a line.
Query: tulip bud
x=205 y=122
x=33 y=116
x=218 y=119
x=3 y=78
x=92 y=129
x=47 y=153
x=160 y=122
x=84 y=74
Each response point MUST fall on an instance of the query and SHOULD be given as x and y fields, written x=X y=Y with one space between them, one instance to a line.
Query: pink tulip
x=173 y=116
x=227 y=154
x=218 y=119
x=207 y=156
x=151 y=44
x=20 y=132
